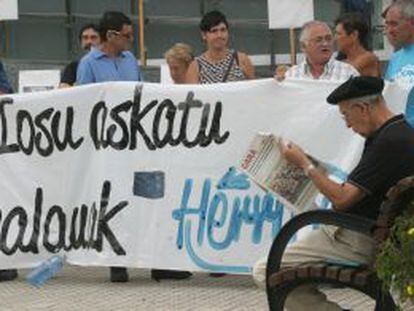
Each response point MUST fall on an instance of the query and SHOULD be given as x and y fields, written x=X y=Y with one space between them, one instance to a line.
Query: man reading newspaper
x=388 y=156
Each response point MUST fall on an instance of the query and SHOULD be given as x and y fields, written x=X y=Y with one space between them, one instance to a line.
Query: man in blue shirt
x=112 y=60
x=399 y=26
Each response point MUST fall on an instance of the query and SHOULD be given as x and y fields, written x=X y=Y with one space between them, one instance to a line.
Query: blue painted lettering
x=214 y=214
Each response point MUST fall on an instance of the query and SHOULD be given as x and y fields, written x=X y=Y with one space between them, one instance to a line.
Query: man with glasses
x=399 y=29
x=388 y=156
x=316 y=41
x=112 y=61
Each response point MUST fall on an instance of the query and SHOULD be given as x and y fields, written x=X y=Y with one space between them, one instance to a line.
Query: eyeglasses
x=127 y=36
x=320 y=39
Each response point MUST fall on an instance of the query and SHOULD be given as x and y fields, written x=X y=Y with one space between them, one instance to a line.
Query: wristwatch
x=308 y=168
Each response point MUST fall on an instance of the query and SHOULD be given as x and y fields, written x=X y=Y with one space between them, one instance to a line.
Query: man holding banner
x=112 y=62
x=388 y=156
x=316 y=41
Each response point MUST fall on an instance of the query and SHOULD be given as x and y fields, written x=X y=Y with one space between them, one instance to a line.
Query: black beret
x=356 y=87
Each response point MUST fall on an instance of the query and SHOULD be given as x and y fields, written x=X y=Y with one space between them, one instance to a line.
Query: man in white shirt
x=316 y=42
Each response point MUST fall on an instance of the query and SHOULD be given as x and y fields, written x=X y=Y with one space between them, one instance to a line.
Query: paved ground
x=88 y=288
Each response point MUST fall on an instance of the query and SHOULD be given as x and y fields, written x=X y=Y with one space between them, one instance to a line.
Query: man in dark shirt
x=388 y=156
x=88 y=37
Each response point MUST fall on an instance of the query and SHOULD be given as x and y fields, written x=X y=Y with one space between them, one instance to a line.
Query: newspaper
x=266 y=166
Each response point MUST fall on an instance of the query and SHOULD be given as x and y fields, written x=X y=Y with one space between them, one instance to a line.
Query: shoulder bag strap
x=234 y=56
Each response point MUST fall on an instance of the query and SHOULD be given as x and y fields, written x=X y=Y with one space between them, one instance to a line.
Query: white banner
x=127 y=174
x=289 y=14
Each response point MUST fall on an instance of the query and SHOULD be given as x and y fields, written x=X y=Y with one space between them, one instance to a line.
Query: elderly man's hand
x=295 y=155
x=280 y=73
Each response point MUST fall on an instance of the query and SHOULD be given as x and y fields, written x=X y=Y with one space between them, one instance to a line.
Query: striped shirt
x=214 y=72
x=334 y=70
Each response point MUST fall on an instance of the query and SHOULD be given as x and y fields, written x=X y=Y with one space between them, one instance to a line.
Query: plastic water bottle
x=45 y=271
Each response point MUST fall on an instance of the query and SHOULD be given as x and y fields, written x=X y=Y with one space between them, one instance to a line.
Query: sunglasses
x=128 y=36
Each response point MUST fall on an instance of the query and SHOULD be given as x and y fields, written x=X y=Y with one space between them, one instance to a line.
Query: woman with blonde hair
x=179 y=58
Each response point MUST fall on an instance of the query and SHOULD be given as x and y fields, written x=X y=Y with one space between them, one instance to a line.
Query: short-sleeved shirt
x=96 y=66
x=4 y=82
x=69 y=73
x=401 y=69
x=388 y=156
x=334 y=70
x=401 y=66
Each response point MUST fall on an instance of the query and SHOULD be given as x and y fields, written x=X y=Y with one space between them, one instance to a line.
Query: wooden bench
x=280 y=282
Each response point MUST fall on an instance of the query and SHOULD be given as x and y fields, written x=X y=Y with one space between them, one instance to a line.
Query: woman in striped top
x=218 y=63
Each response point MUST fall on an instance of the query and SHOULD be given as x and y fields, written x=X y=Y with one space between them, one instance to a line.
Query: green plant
x=395 y=262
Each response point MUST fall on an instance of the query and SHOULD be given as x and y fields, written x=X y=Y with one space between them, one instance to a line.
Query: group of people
x=108 y=57
x=389 y=149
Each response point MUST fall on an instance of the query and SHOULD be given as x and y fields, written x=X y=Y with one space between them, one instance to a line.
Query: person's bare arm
x=342 y=196
x=368 y=65
x=246 y=65
x=191 y=76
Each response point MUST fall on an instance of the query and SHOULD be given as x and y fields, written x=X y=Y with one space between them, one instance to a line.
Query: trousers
x=327 y=243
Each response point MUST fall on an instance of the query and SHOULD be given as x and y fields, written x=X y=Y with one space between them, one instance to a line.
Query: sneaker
x=8 y=275
x=157 y=275
x=119 y=274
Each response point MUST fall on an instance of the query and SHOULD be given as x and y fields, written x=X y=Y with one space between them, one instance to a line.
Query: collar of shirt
x=408 y=48
x=327 y=70
x=394 y=119
x=97 y=53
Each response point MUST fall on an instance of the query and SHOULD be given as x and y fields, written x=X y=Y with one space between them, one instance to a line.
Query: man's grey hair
x=304 y=34
x=369 y=99
x=406 y=7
